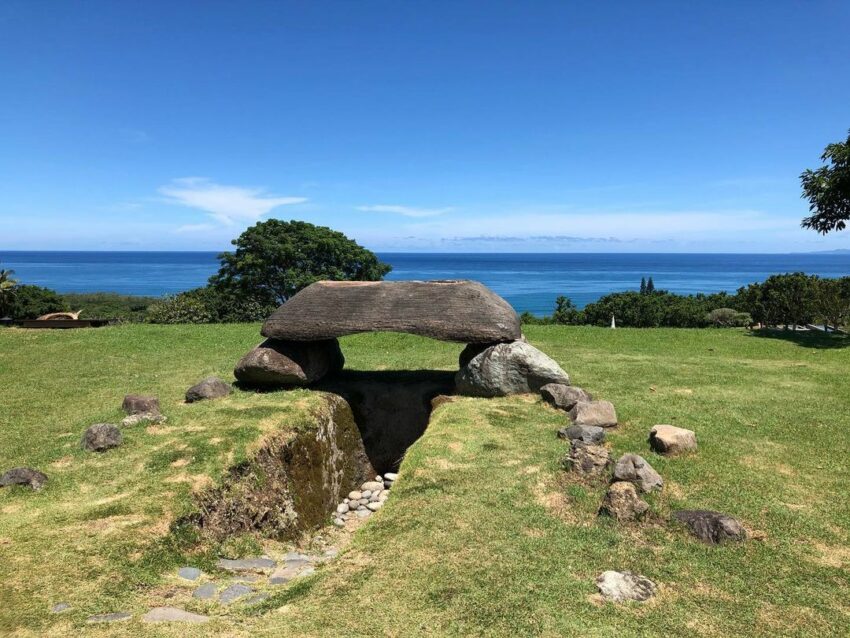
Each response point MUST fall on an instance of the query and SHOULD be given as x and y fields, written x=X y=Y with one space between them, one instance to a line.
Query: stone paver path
x=173 y=614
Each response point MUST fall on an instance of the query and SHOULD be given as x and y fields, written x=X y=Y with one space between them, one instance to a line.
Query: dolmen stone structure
x=301 y=344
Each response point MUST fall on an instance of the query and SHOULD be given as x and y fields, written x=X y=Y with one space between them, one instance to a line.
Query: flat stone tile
x=205 y=591
x=247 y=564
x=173 y=614
x=233 y=593
x=117 y=616
x=189 y=573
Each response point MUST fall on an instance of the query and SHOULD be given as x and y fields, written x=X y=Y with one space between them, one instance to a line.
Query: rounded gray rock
x=24 y=476
x=137 y=404
x=711 y=527
x=209 y=388
x=101 y=437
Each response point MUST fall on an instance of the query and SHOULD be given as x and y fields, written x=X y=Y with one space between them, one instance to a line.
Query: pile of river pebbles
x=369 y=498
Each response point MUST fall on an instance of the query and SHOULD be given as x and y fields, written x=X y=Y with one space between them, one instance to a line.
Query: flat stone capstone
x=462 y=311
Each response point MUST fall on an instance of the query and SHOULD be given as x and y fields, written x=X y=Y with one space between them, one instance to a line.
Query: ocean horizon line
x=442 y=252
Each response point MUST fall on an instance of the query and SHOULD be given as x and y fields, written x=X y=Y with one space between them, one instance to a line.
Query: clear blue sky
x=444 y=126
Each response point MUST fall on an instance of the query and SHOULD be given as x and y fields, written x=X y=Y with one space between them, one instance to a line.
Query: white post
x=613 y=322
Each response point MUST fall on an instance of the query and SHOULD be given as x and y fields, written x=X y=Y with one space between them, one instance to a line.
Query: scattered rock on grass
x=563 y=396
x=597 y=413
x=143 y=417
x=101 y=437
x=136 y=404
x=668 y=439
x=173 y=614
x=24 y=476
x=58 y=608
x=620 y=587
x=711 y=527
x=209 y=388
x=583 y=433
x=635 y=470
x=587 y=459
x=623 y=503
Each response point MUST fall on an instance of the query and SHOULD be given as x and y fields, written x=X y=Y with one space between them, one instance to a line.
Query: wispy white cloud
x=407 y=211
x=600 y=223
x=194 y=228
x=226 y=204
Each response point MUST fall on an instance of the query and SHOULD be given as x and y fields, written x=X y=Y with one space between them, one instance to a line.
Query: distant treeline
x=781 y=300
x=792 y=299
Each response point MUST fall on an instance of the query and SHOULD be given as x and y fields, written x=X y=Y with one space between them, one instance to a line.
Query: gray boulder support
x=463 y=311
x=508 y=368
x=209 y=388
x=101 y=437
x=34 y=479
x=276 y=363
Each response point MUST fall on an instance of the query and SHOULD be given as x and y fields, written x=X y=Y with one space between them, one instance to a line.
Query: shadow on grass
x=805 y=339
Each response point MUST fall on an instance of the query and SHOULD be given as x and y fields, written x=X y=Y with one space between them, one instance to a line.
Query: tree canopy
x=275 y=259
x=7 y=290
x=828 y=189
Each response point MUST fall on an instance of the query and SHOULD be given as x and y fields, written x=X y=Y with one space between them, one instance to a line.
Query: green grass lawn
x=483 y=535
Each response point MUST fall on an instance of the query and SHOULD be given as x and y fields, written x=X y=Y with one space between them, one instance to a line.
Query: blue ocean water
x=528 y=281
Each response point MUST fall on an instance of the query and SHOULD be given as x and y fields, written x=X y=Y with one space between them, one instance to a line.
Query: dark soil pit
x=391 y=408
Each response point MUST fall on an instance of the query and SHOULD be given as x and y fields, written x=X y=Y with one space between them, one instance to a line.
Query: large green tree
x=275 y=259
x=828 y=189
